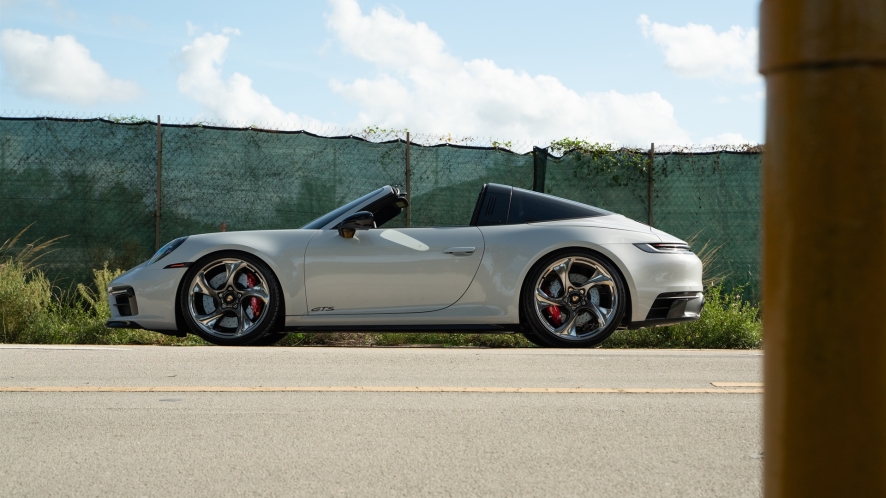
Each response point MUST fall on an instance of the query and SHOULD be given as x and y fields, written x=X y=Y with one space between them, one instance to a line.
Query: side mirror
x=361 y=220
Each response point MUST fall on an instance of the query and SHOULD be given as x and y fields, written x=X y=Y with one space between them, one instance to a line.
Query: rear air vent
x=492 y=206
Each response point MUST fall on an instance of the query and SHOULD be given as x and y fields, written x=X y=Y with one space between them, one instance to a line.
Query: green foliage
x=33 y=311
x=623 y=166
x=133 y=119
x=727 y=322
x=376 y=133
x=25 y=298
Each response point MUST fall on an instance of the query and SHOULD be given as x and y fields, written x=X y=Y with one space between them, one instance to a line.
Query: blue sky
x=631 y=72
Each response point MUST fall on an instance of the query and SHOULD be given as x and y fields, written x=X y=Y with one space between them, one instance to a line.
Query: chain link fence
x=96 y=182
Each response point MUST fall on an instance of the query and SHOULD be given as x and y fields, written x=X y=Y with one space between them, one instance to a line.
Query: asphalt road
x=657 y=441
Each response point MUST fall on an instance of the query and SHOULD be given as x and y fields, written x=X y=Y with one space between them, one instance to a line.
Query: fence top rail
x=383 y=136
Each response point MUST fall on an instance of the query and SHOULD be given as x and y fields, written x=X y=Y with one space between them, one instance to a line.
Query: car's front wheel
x=230 y=299
x=574 y=299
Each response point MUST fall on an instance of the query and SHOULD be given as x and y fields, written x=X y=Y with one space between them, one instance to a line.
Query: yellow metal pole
x=824 y=247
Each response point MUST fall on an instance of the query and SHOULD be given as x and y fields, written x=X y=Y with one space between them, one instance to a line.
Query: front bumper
x=144 y=298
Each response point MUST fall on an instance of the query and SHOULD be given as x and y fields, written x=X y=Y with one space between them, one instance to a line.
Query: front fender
x=282 y=250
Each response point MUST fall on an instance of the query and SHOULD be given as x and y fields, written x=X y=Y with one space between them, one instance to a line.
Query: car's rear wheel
x=230 y=299
x=573 y=299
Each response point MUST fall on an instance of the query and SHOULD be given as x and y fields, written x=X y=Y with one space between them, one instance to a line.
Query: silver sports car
x=564 y=274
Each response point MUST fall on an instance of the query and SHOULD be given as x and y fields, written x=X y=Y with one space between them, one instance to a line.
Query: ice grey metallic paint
x=468 y=276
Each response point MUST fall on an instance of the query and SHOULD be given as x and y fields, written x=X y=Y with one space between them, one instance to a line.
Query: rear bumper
x=670 y=308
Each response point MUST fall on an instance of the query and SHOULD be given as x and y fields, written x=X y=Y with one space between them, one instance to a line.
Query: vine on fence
x=623 y=166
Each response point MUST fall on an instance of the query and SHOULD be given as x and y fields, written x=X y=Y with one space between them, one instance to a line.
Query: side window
x=528 y=206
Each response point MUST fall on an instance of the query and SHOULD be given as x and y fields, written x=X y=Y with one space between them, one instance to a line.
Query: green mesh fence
x=714 y=198
x=94 y=181
x=447 y=179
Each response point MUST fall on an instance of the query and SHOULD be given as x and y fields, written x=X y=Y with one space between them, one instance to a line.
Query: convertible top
x=506 y=205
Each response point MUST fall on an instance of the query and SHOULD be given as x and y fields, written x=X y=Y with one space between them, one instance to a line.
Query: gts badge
x=324 y=308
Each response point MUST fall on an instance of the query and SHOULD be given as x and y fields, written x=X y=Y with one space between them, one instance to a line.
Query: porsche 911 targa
x=562 y=273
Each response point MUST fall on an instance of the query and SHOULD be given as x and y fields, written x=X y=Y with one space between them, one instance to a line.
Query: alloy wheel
x=575 y=298
x=228 y=298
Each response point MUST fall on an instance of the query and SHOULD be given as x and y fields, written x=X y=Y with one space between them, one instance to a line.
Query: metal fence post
x=408 y=182
x=159 y=186
x=539 y=168
x=651 y=181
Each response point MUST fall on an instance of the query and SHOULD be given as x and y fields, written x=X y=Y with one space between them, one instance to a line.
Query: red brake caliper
x=555 y=313
x=254 y=302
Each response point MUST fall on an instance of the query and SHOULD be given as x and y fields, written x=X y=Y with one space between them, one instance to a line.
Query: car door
x=397 y=270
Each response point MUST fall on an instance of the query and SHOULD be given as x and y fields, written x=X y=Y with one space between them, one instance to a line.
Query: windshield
x=328 y=217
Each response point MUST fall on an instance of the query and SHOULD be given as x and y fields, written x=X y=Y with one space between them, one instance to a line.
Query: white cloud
x=193 y=29
x=721 y=99
x=233 y=100
x=424 y=87
x=58 y=68
x=697 y=51
x=725 y=139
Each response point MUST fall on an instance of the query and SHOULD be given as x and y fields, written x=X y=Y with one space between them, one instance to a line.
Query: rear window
x=528 y=206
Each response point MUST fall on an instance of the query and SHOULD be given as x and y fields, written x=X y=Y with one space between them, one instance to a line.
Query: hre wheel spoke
x=598 y=279
x=210 y=320
x=255 y=292
x=243 y=323
x=231 y=270
x=569 y=328
x=202 y=286
x=562 y=271
x=543 y=298
x=598 y=312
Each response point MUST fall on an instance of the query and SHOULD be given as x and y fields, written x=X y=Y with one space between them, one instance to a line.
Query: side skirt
x=128 y=324
x=658 y=323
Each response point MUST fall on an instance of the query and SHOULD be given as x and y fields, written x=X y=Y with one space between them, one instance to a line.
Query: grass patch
x=391 y=339
x=33 y=311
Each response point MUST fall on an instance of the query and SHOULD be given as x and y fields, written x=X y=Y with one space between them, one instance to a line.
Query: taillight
x=665 y=247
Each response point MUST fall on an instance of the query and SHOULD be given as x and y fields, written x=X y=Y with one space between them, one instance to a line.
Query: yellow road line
x=370 y=389
x=737 y=384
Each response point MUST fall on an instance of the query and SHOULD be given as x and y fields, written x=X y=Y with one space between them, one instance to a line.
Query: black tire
x=242 y=311
x=586 y=311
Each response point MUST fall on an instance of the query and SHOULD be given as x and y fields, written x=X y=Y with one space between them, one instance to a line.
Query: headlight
x=165 y=250
x=666 y=247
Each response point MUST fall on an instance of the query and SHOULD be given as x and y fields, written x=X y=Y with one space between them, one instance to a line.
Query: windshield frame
x=343 y=210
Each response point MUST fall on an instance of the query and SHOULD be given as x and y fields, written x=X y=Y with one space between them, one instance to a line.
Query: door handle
x=460 y=251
